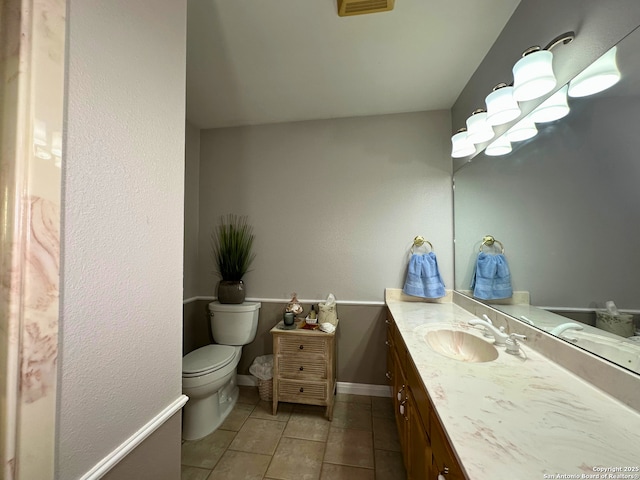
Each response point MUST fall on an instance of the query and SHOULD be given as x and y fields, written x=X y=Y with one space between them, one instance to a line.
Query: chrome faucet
x=565 y=326
x=499 y=336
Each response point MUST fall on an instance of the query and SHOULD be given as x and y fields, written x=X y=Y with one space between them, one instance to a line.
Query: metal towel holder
x=419 y=241
x=489 y=240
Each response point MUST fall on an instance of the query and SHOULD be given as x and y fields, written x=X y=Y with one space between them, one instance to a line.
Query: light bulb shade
x=461 y=146
x=478 y=130
x=523 y=130
x=500 y=146
x=501 y=106
x=553 y=108
x=600 y=75
x=533 y=76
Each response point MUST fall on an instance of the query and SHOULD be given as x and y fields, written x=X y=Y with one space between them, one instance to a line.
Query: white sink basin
x=461 y=346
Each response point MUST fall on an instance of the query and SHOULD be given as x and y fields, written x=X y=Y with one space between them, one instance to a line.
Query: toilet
x=209 y=373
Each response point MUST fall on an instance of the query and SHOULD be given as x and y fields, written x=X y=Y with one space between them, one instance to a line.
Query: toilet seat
x=207 y=359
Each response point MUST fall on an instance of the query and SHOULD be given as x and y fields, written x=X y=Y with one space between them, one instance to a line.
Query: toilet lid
x=207 y=358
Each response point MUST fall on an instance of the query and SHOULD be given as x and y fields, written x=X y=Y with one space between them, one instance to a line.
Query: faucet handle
x=485 y=331
x=512 y=344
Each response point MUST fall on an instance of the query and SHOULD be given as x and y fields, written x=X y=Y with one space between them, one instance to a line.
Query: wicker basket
x=265 y=389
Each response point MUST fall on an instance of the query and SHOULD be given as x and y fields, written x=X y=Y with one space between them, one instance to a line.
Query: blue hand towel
x=491 y=278
x=423 y=277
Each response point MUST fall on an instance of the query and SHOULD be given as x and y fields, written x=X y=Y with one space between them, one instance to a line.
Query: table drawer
x=298 y=391
x=302 y=367
x=301 y=345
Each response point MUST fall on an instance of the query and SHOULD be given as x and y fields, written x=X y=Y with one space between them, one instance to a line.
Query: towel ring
x=419 y=241
x=488 y=240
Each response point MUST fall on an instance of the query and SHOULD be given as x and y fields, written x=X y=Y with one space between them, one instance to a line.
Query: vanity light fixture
x=478 y=129
x=501 y=106
x=460 y=145
x=553 y=108
x=600 y=75
x=533 y=74
x=500 y=146
x=523 y=130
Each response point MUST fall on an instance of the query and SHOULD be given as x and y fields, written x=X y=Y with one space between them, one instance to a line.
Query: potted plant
x=232 y=245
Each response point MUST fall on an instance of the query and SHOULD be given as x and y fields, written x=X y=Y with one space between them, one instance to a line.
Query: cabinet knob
x=301 y=368
x=301 y=347
x=388 y=375
x=400 y=393
x=387 y=321
x=301 y=390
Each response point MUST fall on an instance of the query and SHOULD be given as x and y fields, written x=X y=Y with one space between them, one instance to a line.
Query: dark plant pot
x=231 y=291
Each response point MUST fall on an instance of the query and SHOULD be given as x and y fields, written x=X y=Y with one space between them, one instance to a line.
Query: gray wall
x=145 y=461
x=122 y=242
x=335 y=204
x=360 y=338
x=598 y=26
x=191 y=209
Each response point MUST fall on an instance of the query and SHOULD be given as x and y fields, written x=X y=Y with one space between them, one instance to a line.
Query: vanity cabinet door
x=389 y=349
x=444 y=461
x=400 y=404
x=419 y=447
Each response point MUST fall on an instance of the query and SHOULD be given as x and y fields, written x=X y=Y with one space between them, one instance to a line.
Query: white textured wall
x=335 y=204
x=191 y=210
x=122 y=247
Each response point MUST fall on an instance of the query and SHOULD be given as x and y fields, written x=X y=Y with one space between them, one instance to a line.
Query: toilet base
x=200 y=417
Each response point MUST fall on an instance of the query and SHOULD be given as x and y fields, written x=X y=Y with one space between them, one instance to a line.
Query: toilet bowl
x=209 y=373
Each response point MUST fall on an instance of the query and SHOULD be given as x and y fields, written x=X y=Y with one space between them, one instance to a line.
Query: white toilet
x=209 y=373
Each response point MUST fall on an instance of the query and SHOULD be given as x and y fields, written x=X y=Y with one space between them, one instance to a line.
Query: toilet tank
x=234 y=324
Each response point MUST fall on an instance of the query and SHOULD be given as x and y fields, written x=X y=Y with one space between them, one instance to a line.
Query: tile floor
x=361 y=443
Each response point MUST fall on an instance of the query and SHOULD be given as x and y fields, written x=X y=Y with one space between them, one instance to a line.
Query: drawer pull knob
x=301 y=347
x=387 y=322
x=301 y=390
x=386 y=342
x=301 y=368
x=388 y=375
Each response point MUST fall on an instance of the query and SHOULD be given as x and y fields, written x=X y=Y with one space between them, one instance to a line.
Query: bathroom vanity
x=304 y=367
x=500 y=417
x=425 y=448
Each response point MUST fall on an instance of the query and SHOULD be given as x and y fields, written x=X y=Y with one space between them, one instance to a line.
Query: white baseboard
x=246 y=380
x=111 y=460
x=342 y=387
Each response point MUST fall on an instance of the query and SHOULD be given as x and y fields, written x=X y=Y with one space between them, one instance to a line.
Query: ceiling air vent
x=359 y=7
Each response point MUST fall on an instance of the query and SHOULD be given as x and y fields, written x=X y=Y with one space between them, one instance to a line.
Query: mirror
x=566 y=206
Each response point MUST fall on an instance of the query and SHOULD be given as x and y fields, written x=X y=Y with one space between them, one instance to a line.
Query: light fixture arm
x=564 y=38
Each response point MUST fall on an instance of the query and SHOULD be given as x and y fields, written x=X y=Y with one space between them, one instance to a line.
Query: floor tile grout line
x=353 y=406
x=276 y=449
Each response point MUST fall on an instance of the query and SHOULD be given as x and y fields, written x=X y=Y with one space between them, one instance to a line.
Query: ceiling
x=266 y=61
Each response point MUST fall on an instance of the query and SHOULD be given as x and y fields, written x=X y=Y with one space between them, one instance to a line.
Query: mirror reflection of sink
x=621 y=351
x=461 y=346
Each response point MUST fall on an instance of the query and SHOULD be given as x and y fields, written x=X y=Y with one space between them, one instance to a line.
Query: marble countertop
x=519 y=417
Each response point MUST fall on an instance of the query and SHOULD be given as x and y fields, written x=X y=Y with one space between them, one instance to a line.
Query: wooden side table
x=304 y=367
